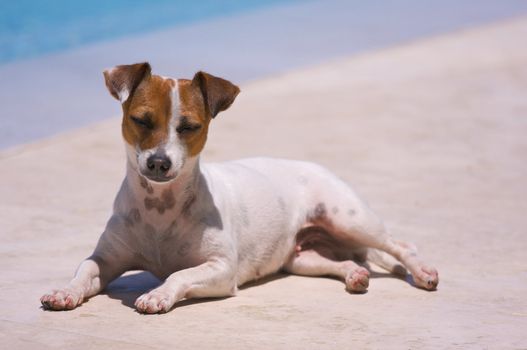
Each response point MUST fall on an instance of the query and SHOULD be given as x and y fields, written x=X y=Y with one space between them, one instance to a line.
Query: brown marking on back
x=319 y=214
x=320 y=211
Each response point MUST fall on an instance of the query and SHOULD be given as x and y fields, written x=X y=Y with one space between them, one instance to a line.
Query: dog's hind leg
x=386 y=261
x=349 y=220
x=319 y=262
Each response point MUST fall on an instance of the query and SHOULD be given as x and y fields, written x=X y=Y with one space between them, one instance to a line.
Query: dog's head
x=165 y=120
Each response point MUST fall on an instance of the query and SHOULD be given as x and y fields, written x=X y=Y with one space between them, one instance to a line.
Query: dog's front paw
x=62 y=299
x=156 y=301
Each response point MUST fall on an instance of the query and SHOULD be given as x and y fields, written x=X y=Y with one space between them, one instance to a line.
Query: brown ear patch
x=218 y=94
x=122 y=80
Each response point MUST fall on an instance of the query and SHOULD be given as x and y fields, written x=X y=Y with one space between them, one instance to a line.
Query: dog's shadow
x=129 y=287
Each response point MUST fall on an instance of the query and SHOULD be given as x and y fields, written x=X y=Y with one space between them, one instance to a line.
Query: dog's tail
x=386 y=261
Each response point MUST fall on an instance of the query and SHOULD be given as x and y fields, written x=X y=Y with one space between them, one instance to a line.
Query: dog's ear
x=218 y=94
x=122 y=80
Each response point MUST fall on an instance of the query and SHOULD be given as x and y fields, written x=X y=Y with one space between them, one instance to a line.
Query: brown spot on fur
x=320 y=210
x=335 y=210
x=351 y=212
x=144 y=184
x=167 y=201
x=318 y=214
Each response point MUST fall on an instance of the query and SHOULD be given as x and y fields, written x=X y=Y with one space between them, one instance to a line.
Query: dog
x=205 y=229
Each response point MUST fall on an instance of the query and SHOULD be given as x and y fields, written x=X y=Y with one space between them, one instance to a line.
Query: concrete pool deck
x=432 y=133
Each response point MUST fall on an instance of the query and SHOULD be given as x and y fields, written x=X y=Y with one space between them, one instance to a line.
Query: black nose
x=158 y=165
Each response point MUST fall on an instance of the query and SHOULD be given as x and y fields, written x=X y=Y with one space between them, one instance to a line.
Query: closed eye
x=144 y=122
x=187 y=128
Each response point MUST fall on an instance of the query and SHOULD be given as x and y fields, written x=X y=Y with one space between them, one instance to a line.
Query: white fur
x=174 y=146
x=123 y=95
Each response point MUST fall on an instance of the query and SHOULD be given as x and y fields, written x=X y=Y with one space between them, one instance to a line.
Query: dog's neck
x=176 y=195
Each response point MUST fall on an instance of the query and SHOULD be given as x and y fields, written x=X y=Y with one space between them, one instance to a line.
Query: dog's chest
x=164 y=245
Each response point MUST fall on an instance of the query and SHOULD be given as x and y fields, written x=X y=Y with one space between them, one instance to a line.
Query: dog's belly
x=264 y=257
x=268 y=203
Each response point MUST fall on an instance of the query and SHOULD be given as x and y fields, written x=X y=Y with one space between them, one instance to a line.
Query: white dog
x=205 y=229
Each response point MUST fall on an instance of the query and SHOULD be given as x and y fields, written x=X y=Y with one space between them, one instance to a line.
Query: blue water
x=30 y=28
